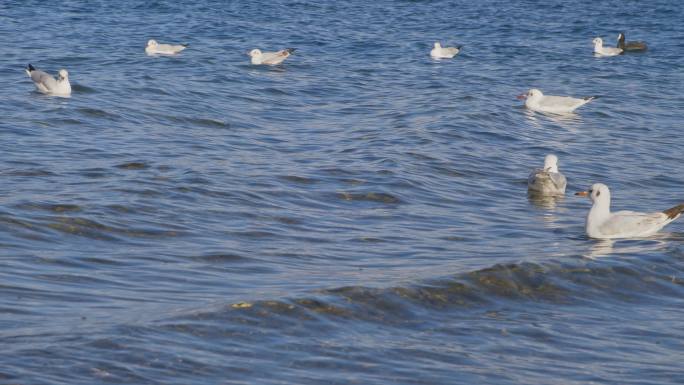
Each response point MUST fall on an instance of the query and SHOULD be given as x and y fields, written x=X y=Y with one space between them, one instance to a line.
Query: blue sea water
x=357 y=215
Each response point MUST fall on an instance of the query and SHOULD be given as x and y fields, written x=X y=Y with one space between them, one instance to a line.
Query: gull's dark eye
x=591 y=191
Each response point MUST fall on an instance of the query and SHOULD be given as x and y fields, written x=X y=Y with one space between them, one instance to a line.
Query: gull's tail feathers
x=674 y=212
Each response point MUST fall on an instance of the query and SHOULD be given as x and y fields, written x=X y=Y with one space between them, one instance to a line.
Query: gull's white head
x=254 y=52
x=598 y=42
x=63 y=74
x=438 y=45
x=152 y=43
x=598 y=193
x=533 y=94
x=551 y=163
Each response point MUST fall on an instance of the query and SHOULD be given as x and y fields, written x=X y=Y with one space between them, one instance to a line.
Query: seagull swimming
x=270 y=58
x=603 y=224
x=46 y=84
x=537 y=101
x=600 y=50
x=633 y=46
x=440 y=52
x=547 y=180
x=154 y=48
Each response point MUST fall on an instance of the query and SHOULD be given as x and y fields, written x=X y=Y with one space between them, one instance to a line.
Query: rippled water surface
x=357 y=215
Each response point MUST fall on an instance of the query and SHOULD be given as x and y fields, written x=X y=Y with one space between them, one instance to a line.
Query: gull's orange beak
x=582 y=193
x=521 y=97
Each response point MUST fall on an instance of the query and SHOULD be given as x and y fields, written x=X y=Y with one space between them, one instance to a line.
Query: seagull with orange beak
x=602 y=224
x=535 y=100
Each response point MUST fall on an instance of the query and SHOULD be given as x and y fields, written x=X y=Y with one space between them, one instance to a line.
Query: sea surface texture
x=357 y=215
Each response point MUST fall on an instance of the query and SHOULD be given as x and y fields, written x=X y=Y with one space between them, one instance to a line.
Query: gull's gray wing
x=560 y=101
x=558 y=180
x=276 y=57
x=545 y=182
x=43 y=79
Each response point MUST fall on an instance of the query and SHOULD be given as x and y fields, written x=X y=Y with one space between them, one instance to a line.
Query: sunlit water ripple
x=357 y=215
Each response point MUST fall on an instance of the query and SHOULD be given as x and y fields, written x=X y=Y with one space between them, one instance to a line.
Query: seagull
x=603 y=224
x=634 y=46
x=547 y=180
x=46 y=84
x=270 y=58
x=537 y=101
x=440 y=52
x=600 y=50
x=154 y=48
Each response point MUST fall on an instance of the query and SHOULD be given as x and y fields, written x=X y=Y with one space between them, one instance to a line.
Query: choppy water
x=357 y=215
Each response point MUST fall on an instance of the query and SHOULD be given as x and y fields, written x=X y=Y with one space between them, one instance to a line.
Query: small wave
x=220 y=258
x=152 y=90
x=79 y=88
x=94 y=173
x=92 y=229
x=254 y=234
x=51 y=207
x=369 y=197
x=83 y=227
x=209 y=123
x=29 y=172
x=298 y=179
x=275 y=91
x=75 y=279
x=133 y=166
x=560 y=284
x=73 y=122
x=97 y=113
x=201 y=122
x=289 y=220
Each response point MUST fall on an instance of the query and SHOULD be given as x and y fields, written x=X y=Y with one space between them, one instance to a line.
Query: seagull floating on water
x=600 y=50
x=630 y=46
x=154 y=48
x=439 y=52
x=270 y=58
x=547 y=180
x=603 y=224
x=46 y=84
x=537 y=101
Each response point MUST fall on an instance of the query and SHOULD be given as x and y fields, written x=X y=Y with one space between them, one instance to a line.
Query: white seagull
x=154 y=48
x=46 y=84
x=600 y=50
x=439 y=52
x=537 y=101
x=548 y=180
x=603 y=224
x=270 y=58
